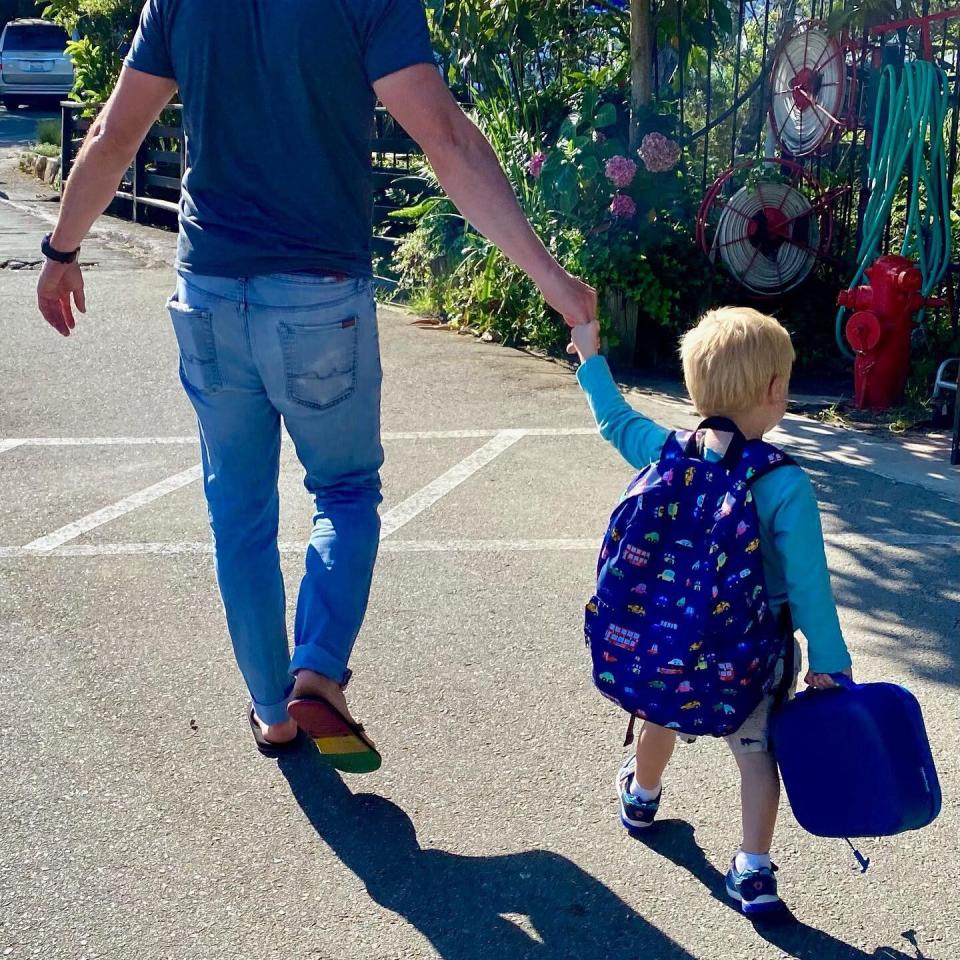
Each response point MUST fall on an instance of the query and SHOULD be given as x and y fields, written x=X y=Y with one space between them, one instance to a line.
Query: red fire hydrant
x=879 y=330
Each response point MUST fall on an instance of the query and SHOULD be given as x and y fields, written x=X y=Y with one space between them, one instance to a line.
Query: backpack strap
x=675 y=446
x=785 y=687
x=758 y=458
x=734 y=451
x=628 y=738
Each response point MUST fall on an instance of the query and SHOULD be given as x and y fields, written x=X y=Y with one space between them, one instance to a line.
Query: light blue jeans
x=305 y=349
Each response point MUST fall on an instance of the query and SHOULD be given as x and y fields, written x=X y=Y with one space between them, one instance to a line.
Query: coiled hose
x=916 y=99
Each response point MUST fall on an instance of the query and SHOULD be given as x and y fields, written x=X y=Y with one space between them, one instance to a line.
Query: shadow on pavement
x=522 y=905
x=906 y=588
x=675 y=840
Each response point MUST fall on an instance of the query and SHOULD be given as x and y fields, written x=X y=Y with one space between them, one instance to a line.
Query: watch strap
x=51 y=252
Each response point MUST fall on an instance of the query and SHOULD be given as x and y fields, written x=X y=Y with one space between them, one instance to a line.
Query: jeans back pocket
x=198 y=350
x=320 y=361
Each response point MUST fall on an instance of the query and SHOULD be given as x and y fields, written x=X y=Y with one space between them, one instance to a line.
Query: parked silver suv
x=33 y=63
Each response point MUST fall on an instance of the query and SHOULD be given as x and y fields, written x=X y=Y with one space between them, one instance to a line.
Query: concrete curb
x=41 y=166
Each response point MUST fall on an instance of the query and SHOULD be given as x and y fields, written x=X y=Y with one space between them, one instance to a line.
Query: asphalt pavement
x=137 y=819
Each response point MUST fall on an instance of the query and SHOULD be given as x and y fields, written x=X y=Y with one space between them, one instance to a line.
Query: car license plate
x=37 y=66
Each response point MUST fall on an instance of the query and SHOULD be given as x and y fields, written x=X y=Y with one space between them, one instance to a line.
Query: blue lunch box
x=855 y=760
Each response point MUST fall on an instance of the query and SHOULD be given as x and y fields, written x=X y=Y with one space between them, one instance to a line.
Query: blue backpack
x=679 y=628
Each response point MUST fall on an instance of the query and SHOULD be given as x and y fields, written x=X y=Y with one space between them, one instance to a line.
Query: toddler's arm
x=786 y=496
x=638 y=438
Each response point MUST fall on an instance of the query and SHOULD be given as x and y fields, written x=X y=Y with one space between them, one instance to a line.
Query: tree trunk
x=641 y=65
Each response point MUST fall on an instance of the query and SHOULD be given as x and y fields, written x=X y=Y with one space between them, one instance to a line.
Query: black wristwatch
x=52 y=253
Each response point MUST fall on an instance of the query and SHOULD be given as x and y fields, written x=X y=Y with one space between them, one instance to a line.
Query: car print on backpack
x=636 y=556
x=673 y=668
x=618 y=636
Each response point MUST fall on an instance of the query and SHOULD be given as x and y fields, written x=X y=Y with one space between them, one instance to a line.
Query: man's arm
x=111 y=144
x=469 y=172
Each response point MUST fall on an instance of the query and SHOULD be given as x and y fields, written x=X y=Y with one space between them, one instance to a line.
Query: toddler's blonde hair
x=731 y=356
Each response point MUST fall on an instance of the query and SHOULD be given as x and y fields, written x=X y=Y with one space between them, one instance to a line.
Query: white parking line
x=100 y=441
x=287 y=547
x=477 y=434
x=73 y=530
x=587 y=545
x=404 y=512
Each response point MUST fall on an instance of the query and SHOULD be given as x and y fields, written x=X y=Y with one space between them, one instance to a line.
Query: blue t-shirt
x=278 y=109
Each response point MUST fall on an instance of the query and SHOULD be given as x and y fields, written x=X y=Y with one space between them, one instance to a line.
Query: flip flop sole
x=341 y=744
x=365 y=762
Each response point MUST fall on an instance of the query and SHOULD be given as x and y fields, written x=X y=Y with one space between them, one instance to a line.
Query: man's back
x=278 y=102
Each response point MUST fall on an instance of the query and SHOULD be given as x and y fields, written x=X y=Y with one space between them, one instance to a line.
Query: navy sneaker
x=754 y=890
x=635 y=814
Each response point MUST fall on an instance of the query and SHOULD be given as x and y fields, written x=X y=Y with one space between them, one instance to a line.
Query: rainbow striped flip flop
x=341 y=743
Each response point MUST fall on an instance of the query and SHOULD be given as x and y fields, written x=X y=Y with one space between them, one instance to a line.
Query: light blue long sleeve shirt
x=791 y=538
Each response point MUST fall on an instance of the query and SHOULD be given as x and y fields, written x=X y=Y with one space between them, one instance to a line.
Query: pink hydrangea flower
x=659 y=153
x=622 y=206
x=535 y=164
x=620 y=171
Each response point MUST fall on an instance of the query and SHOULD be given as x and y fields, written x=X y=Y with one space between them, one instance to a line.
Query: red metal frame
x=922 y=22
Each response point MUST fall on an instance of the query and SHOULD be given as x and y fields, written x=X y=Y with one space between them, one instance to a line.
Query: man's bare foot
x=277 y=732
x=310 y=684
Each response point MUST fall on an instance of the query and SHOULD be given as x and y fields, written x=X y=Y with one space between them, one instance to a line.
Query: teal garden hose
x=916 y=98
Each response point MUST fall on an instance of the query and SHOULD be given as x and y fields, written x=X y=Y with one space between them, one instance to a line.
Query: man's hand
x=58 y=283
x=110 y=146
x=823 y=681
x=585 y=340
x=574 y=300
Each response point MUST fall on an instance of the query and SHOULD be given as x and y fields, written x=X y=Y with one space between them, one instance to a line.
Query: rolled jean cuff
x=309 y=656
x=271 y=713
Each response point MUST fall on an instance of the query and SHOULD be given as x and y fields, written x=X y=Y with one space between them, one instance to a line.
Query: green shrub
x=48 y=131
x=46 y=149
x=106 y=27
x=566 y=191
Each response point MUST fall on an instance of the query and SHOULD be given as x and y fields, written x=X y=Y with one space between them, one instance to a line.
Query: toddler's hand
x=823 y=681
x=585 y=341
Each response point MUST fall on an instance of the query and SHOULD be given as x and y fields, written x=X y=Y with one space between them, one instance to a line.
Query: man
x=273 y=311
